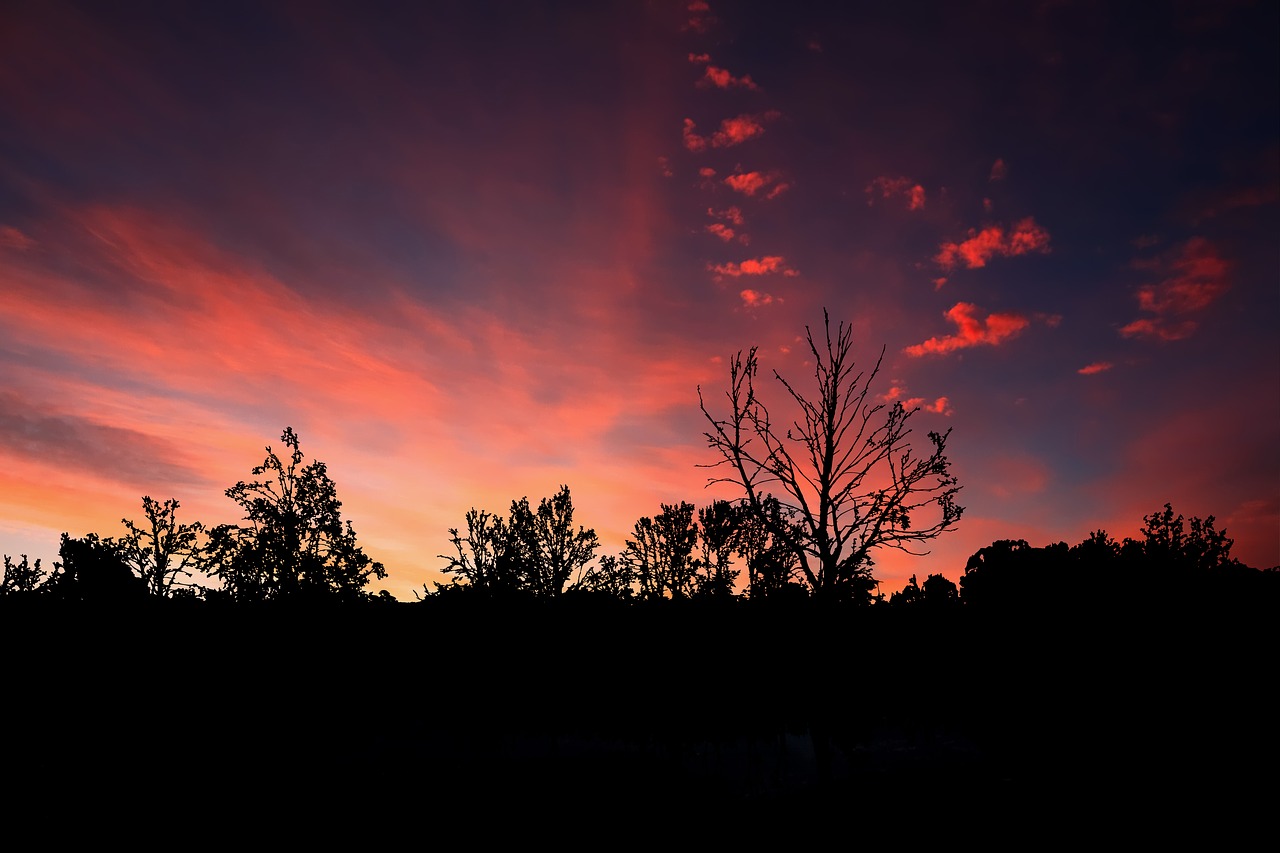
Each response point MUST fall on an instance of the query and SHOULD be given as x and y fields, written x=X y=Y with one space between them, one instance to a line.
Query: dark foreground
x=608 y=724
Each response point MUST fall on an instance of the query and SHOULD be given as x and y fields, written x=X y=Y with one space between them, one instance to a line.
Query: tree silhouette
x=849 y=479
x=660 y=553
x=554 y=552
x=162 y=549
x=294 y=542
x=21 y=578
x=92 y=569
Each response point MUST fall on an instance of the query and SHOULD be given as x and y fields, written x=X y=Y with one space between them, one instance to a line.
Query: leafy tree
x=771 y=565
x=660 y=554
x=488 y=558
x=161 y=550
x=721 y=527
x=553 y=551
x=22 y=578
x=92 y=569
x=849 y=478
x=294 y=542
x=1168 y=542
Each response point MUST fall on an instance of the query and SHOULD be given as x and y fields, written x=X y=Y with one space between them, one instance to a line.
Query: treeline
x=293 y=545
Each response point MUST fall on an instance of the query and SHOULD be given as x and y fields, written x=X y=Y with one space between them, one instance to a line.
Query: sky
x=473 y=251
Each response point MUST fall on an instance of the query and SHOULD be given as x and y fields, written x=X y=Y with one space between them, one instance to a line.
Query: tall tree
x=849 y=479
x=660 y=553
x=293 y=542
x=161 y=550
x=554 y=551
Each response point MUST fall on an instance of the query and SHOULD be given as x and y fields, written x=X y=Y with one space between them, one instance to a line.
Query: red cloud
x=1195 y=276
x=724 y=232
x=889 y=187
x=1025 y=237
x=754 y=266
x=971 y=331
x=755 y=299
x=897 y=393
x=1096 y=367
x=998 y=170
x=748 y=183
x=733 y=131
x=722 y=79
x=699 y=58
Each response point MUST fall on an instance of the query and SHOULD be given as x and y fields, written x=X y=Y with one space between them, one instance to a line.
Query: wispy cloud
x=897 y=393
x=1192 y=277
x=971 y=331
x=998 y=171
x=1096 y=367
x=1022 y=238
x=886 y=188
x=12 y=238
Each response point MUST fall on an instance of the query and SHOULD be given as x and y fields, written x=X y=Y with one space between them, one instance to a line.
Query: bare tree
x=848 y=477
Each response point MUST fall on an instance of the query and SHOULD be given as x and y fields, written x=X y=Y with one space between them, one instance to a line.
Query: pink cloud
x=1096 y=367
x=971 y=331
x=887 y=188
x=724 y=232
x=998 y=170
x=748 y=183
x=754 y=266
x=1194 y=276
x=1023 y=238
x=733 y=131
x=699 y=58
x=755 y=299
x=707 y=172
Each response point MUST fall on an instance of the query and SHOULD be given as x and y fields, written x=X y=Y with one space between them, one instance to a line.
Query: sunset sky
x=473 y=251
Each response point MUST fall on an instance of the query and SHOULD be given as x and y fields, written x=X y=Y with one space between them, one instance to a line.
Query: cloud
x=1096 y=367
x=1023 y=238
x=722 y=79
x=665 y=166
x=898 y=393
x=729 y=214
x=700 y=18
x=724 y=232
x=887 y=188
x=754 y=266
x=1193 y=277
x=998 y=170
x=733 y=131
x=80 y=444
x=755 y=299
x=750 y=183
x=12 y=238
x=971 y=331
x=699 y=58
